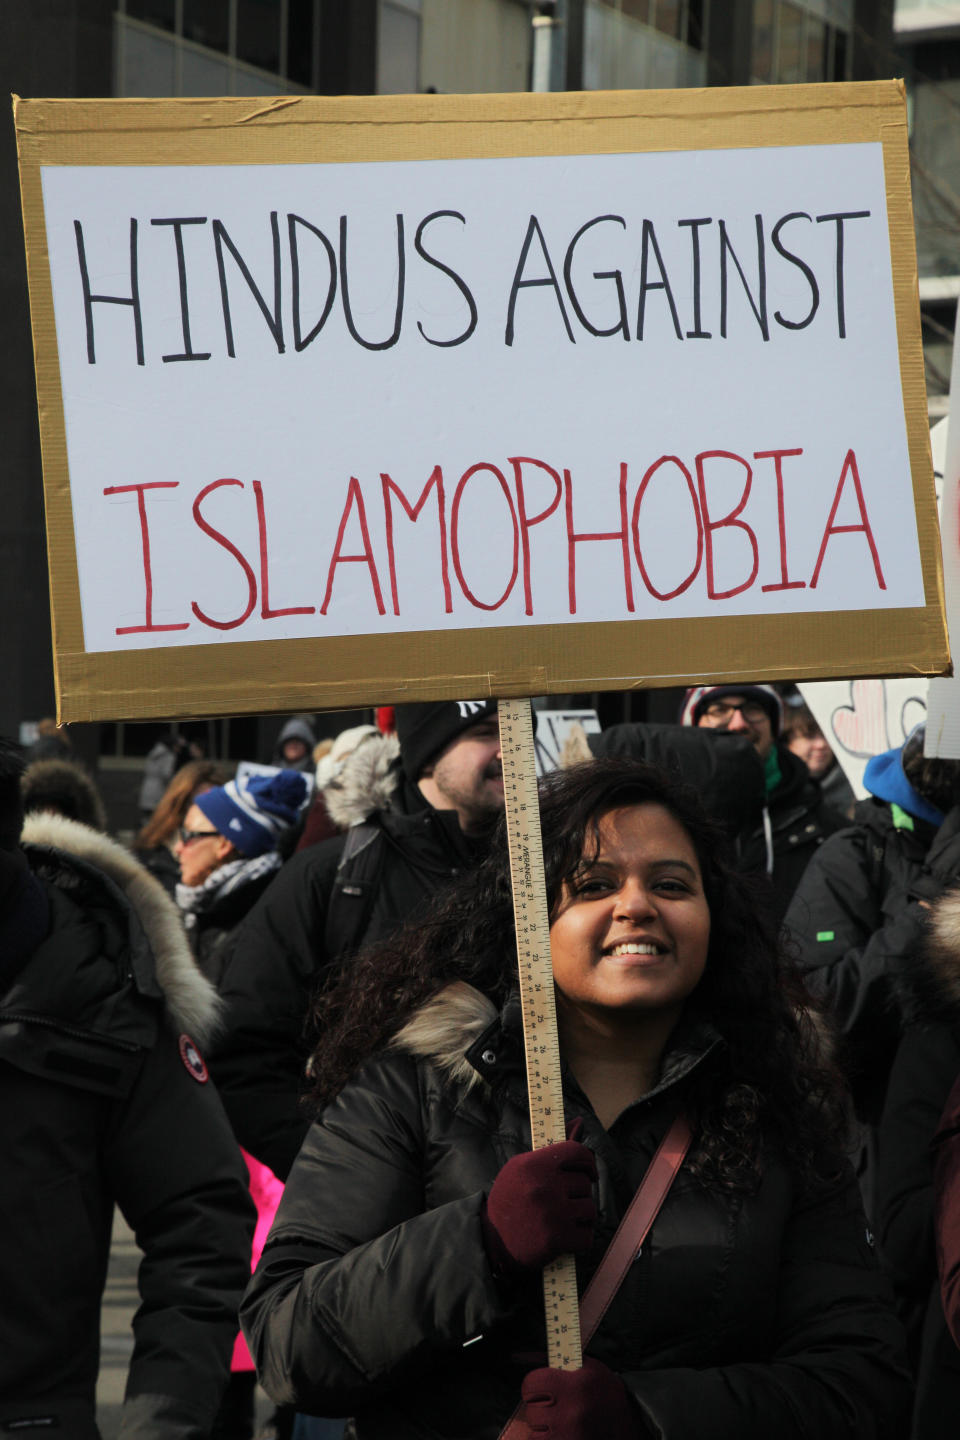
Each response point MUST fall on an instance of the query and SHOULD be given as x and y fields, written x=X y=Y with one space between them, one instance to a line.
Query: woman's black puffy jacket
x=745 y=1317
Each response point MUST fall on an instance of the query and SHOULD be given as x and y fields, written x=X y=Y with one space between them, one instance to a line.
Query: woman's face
x=632 y=929
x=813 y=750
x=203 y=854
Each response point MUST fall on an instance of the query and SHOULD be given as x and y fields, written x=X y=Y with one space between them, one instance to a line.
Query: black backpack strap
x=354 y=888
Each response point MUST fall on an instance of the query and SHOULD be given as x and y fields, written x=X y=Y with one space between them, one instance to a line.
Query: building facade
x=927 y=38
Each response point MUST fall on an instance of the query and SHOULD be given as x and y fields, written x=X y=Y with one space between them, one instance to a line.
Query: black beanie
x=425 y=730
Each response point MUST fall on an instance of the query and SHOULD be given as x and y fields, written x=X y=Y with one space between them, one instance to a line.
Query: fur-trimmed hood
x=367 y=782
x=445 y=1027
x=191 y=1000
x=929 y=986
x=447 y=1031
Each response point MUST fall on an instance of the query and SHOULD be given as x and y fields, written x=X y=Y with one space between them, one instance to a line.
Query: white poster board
x=942 y=736
x=865 y=717
x=421 y=410
x=259 y=463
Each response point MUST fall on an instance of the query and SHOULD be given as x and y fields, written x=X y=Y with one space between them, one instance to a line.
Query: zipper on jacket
x=74 y=1032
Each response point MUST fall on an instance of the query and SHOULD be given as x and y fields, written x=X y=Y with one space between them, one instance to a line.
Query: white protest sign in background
x=329 y=351
x=942 y=736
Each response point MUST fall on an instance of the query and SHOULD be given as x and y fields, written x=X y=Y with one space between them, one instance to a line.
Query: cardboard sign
x=866 y=717
x=370 y=400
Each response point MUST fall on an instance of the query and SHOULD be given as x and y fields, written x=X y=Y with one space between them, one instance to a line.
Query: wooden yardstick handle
x=537 y=1000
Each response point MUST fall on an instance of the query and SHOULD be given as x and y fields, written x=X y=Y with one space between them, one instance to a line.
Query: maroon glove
x=541 y=1206
x=587 y=1404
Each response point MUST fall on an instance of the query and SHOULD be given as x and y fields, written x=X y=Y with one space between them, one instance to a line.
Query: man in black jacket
x=861 y=908
x=105 y=1099
x=415 y=816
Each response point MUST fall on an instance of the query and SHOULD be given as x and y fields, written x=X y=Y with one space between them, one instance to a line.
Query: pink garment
x=265 y=1190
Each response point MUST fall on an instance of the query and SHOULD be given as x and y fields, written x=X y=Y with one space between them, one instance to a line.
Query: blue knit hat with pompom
x=253 y=812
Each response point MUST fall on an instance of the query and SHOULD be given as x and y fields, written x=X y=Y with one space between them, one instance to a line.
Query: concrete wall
x=472 y=46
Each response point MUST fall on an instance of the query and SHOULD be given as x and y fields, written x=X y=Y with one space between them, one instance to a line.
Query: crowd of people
x=284 y=1036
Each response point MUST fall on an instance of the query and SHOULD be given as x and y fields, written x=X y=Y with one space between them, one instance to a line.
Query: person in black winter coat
x=926 y=1064
x=856 y=917
x=105 y=1100
x=420 y=821
x=400 y=1281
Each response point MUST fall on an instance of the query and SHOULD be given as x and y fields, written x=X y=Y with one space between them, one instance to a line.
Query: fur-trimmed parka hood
x=929 y=987
x=367 y=782
x=191 y=1001
x=445 y=1028
x=462 y=1034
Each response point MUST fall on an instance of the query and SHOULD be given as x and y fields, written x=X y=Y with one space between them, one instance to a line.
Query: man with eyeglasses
x=752 y=710
x=794 y=820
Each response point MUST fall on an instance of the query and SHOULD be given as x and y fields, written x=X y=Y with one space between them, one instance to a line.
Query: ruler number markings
x=536 y=997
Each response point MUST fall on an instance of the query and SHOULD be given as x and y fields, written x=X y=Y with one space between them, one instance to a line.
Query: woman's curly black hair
x=774 y=1083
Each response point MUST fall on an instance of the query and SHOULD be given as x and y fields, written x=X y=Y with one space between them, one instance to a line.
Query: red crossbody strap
x=634 y=1227
x=625 y=1245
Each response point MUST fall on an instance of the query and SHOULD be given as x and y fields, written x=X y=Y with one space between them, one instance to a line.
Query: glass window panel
x=258 y=33
x=149 y=64
x=202 y=74
x=762 y=60
x=398 y=52
x=839 y=55
x=667 y=17
x=207 y=22
x=154 y=12
x=300 y=42
x=251 y=82
x=816 y=49
x=790 y=60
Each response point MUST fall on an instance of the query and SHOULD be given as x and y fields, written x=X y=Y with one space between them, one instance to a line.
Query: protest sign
x=355 y=400
x=865 y=717
x=942 y=738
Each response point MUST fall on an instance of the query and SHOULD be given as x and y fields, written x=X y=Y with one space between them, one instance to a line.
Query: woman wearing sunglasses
x=227 y=852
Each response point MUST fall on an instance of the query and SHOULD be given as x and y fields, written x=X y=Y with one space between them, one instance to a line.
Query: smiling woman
x=398 y=1284
x=629 y=943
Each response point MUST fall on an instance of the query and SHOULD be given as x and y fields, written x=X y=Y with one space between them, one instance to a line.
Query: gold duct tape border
x=260 y=676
